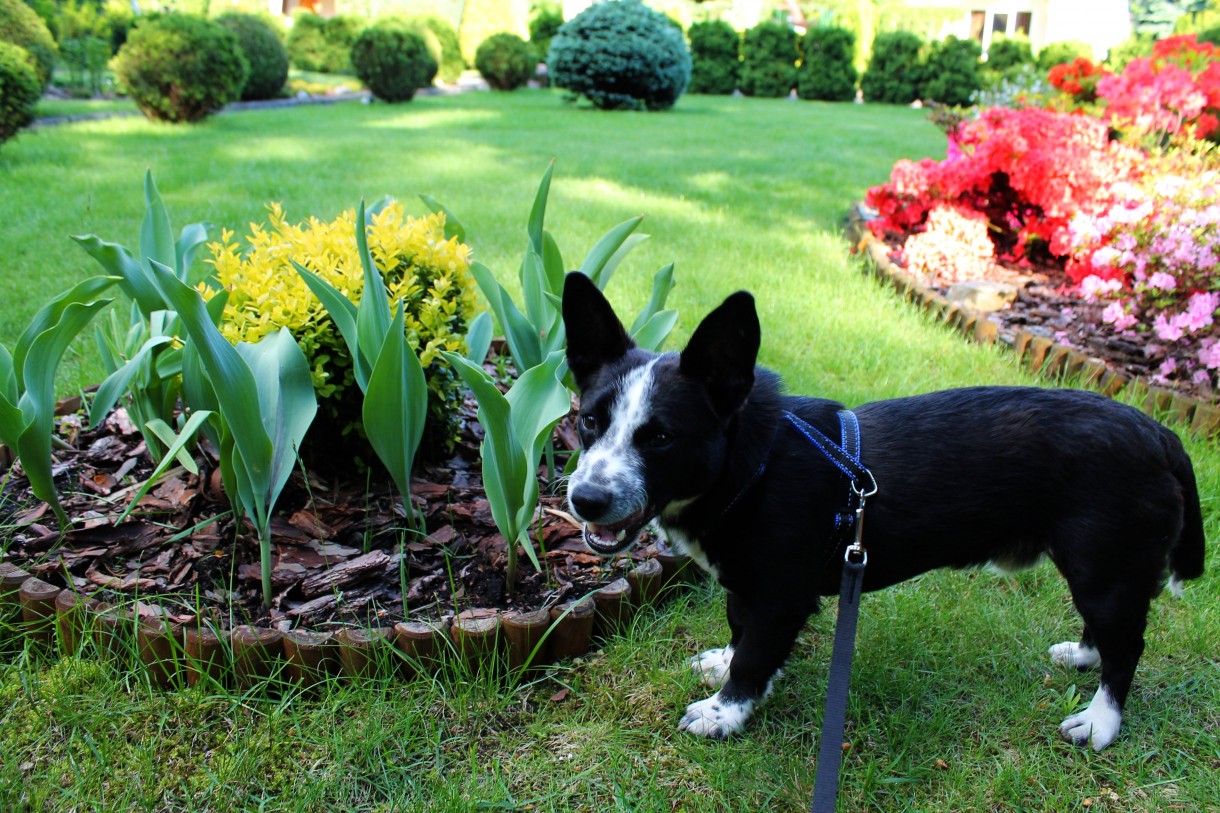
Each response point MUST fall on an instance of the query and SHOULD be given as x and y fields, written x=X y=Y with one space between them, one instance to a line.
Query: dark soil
x=342 y=553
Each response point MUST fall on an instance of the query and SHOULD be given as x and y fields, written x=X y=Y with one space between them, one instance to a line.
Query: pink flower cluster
x=1154 y=255
x=1174 y=93
x=1028 y=171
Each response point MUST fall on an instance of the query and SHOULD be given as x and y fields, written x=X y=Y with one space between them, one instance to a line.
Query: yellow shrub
x=429 y=272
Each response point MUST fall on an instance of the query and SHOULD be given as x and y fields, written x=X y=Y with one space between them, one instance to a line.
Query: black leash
x=846 y=457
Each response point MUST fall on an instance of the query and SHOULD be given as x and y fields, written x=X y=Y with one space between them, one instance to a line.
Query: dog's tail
x=1186 y=554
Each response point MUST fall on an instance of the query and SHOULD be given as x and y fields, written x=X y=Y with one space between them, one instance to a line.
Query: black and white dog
x=698 y=440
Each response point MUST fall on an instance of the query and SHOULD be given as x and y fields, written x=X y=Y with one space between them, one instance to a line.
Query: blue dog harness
x=845 y=456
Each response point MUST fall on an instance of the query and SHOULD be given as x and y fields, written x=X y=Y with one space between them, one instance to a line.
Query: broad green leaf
x=12 y=422
x=343 y=313
x=38 y=401
x=552 y=263
x=177 y=443
x=373 y=312
x=8 y=378
x=662 y=284
x=538 y=401
x=156 y=237
x=377 y=208
x=597 y=258
x=538 y=210
x=51 y=314
x=396 y=405
x=192 y=237
x=554 y=337
x=118 y=262
x=453 y=226
x=522 y=337
x=654 y=333
x=235 y=387
x=504 y=470
x=478 y=337
x=616 y=259
x=118 y=382
x=538 y=308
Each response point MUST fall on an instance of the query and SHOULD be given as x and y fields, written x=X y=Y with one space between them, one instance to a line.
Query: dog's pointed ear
x=722 y=353
x=595 y=335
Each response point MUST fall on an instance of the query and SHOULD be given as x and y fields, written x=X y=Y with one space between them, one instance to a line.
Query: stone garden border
x=1041 y=354
x=180 y=654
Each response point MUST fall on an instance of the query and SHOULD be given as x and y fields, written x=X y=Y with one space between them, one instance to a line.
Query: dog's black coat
x=971 y=476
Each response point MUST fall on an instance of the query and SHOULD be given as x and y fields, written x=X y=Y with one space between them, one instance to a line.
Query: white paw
x=713 y=666
x=716 y=718
x=1097 y=725
x=1070 y=653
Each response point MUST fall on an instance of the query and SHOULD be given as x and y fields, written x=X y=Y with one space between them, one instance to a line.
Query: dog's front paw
x=713 y=666
x=1070 y=653
x=716 y=717
x=1097 y=725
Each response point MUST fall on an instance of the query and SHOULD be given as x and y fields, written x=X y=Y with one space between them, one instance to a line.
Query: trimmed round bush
x=447 y=51
x=768 y=67
x=827 y=73
x=20 y=89
x=506 y=61
x=392 y=61
x=620 y=54
x=1008 y=54
x=20 y=25
x=268 y=58
x=895 y=71
x=323 y=45
x=715 y=57
x=181 y=68
x=952 y=75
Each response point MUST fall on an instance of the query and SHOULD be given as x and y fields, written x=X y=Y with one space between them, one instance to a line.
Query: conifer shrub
x=181 y=68
x=19 y=89
x=895 y=72
x=392 y=61
x=506 y=61
x=264 y=50
x=620 y=54
x=952 y=74
x=544 y=25
x=827 y=72
x=20 y=25
x=715 y=56
x=768 y=67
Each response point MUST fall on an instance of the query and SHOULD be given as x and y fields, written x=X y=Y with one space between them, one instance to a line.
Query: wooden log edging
x=1041 y=354
x=180 y=655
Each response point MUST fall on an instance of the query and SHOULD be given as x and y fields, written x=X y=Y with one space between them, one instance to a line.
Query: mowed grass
x=954 y=704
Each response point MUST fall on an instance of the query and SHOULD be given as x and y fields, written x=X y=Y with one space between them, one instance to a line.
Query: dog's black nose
x=591 y=502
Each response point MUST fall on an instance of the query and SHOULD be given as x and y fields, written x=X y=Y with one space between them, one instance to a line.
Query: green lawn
x=954 y=703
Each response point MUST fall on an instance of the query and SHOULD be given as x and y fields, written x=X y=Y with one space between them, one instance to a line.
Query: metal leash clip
x=855 y=553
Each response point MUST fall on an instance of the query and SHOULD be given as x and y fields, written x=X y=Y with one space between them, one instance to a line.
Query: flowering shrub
x=1027 y=171
x=1153 y=255
x=954 y=246
x=419 y=264
x=1078 y=79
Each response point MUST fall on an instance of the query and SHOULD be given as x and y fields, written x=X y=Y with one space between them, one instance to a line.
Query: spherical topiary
x=1008 y=54
x=181 y=68
x=952 y=74
x=340 y=32
x=263 y=49
x=20 y=25
x=19 y=89
x=544 y=25
x=826 y=72
x=506 y=61
x=306 y=42
x=895 y=72
x=1057 y=53
x=442 y=40
x=393 y=61
x=715 y=57
x=768 y=66
x=621 y=54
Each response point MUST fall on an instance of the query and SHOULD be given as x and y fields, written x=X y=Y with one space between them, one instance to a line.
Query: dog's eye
x=656 y=438
x=588 y=422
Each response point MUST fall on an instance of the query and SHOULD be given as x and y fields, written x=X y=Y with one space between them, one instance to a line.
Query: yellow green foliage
x=430 y=273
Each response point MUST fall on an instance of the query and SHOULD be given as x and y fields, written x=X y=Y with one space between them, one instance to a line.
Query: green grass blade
x=177 y=443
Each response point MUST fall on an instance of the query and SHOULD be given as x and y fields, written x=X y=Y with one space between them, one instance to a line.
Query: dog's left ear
x=595 y=335
x=722 y=353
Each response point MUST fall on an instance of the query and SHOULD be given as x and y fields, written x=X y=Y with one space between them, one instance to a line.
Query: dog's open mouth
x=614 y=537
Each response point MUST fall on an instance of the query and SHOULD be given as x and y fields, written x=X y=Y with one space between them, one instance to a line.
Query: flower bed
x=1105 y=206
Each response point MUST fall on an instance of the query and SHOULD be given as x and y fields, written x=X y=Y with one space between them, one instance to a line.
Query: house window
x=999 y=24
x=978 y=21
x=1023 y=20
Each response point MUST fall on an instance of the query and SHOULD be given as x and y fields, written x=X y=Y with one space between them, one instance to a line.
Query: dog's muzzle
x=616 y=537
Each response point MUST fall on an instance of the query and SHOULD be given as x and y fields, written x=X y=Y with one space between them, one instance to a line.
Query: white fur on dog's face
x=613 y=463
